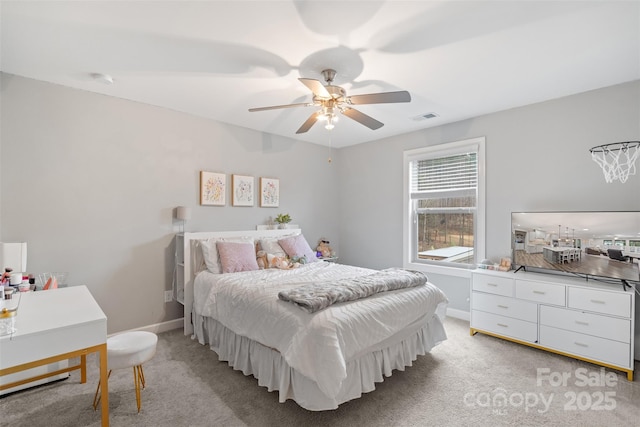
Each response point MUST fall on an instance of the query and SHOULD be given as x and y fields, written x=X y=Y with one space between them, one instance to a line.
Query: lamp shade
x=183 y=213
x=14 y=255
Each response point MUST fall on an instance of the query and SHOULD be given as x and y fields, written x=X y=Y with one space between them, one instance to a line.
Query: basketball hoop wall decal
x=617 y=160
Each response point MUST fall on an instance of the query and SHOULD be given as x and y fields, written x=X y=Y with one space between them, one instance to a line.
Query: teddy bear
x=278 y=262
x=323 y=248
x=261 y=259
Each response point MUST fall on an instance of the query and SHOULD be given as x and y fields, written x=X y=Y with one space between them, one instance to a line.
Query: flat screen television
x=600 y=245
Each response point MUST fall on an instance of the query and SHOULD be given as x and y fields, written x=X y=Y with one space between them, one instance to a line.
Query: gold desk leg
x=629 y=375
x=83 y=368
x=104 y=385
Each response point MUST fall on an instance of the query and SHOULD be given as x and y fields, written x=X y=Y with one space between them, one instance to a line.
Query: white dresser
x=587 y=320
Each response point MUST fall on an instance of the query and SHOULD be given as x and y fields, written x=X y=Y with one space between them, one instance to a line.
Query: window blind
x=456 y=175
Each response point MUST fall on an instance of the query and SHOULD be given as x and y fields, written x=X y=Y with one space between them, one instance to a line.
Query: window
x=444 y=204
x=635 y=243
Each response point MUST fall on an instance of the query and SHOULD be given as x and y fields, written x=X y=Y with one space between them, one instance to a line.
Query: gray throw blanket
x=319 y=295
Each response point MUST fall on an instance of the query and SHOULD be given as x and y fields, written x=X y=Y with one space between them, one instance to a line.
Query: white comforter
x=320 y=344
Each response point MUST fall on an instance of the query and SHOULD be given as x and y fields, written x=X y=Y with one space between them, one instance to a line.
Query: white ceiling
x=216 y=59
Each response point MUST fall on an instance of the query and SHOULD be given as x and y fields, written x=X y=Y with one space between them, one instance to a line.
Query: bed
x=318 y=359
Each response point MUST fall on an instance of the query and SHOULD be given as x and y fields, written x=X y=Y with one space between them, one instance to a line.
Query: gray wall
x=537 y=159
x=91 y=183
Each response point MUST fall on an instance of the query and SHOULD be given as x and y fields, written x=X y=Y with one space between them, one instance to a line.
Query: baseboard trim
x=458 y=314
x=157 y=328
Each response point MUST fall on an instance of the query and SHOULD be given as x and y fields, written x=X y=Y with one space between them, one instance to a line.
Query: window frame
x=409 y=241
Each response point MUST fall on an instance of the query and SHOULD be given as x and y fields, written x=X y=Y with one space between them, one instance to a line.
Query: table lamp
x=183 y=213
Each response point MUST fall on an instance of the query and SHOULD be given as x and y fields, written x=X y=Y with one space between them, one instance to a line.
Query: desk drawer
x=506 y=326
x=540 y=292
x=616 y=304
x=505 y=306
x=493 y=284
x=600 y=349
x=586 y=323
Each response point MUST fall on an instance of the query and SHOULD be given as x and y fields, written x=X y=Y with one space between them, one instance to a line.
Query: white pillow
x=210 y=252
x=271 y=246
x=297 y=246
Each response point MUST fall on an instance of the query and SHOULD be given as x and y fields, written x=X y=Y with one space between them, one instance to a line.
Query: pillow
x=271 y=246
x=210 y=251
x=197 y=260
x=236 y=257
x=297 y=246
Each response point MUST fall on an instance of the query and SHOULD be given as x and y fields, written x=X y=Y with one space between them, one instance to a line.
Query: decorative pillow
x=271 y=246
x=210 y=251
x=297 y=246
x=236 y=257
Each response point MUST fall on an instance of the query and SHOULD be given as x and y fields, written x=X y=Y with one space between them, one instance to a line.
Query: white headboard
x=185 y=274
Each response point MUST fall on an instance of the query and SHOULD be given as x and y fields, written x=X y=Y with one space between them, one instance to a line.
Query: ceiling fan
x=333 y=100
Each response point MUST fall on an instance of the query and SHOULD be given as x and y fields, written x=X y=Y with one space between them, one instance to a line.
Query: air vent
x=425 y=116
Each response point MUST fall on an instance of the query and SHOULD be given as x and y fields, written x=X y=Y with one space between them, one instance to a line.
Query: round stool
x=129 y=349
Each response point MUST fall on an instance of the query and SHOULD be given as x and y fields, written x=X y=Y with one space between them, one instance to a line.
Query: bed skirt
x=273 y=372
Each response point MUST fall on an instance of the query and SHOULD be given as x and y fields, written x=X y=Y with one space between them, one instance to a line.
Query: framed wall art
x=242 y=190
x=213 y=188
x=269 y=192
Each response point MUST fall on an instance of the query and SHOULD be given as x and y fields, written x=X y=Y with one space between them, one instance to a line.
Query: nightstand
x=329 y=259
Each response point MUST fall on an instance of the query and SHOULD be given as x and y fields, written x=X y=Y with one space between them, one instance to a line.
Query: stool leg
x=141 y=372
x=96 y=397
x=136 y=380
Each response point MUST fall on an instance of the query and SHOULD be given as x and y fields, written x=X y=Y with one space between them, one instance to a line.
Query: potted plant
x=283 y=220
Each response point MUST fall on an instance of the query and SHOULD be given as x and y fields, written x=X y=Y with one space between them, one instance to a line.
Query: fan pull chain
x=329 y=159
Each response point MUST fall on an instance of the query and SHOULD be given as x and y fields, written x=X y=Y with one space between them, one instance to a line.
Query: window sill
x=440 y=269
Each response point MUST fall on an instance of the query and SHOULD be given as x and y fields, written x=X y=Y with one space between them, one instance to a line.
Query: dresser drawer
x=540 y=292
x=493 y=284
x=506 y=326
x=616 y=304
x=586 y=323
x=505 y=306
x=600 y=349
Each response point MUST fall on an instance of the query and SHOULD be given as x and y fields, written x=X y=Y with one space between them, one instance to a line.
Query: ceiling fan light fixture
x=331 y=120
x=333 y=99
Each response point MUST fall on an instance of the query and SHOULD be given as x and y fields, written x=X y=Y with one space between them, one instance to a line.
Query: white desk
x=56 y=325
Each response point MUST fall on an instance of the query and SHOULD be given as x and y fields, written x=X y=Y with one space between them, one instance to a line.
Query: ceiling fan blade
x=275 y=107
x=362 y=118
x=309 y=122
x=316 y=87
x=380 y=98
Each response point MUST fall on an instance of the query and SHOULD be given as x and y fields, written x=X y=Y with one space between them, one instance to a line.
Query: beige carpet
x=465 y=381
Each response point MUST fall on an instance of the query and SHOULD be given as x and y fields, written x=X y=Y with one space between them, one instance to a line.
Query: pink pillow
x=297 y=246
x=236 y=257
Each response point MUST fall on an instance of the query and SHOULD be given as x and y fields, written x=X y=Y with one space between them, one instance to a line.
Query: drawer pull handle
x=539 y=292
x=503 y=325
x=597 y=301
x=582 y=323
x=492 y=284
x=580 y=344
x=503 y=306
